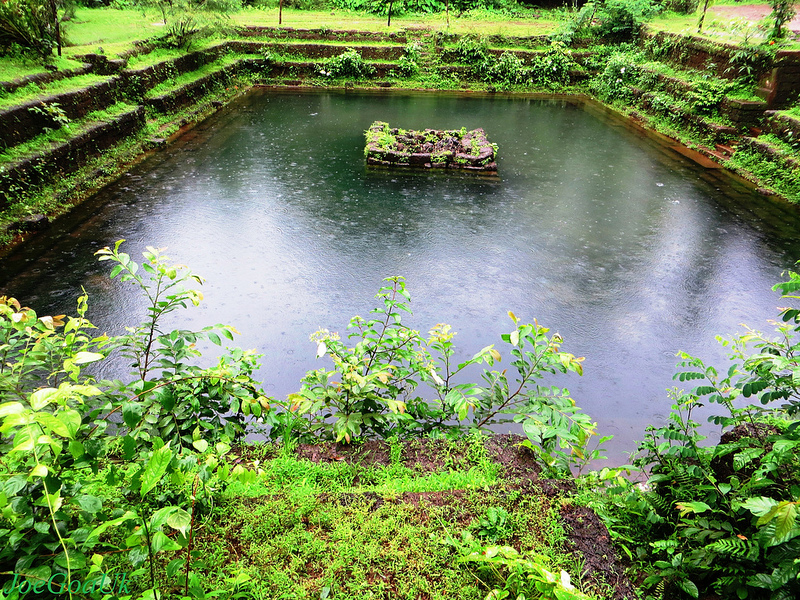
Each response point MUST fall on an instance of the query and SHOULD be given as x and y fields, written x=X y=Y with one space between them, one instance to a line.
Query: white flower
x=565 y=582
x=622 y=70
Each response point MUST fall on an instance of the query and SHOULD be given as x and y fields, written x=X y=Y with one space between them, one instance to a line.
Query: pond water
x=619 y=243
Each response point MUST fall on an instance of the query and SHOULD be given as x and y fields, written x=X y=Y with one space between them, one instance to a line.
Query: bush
x=347 y=64
x=619 y=74
x=722 y=519
x=706 y=96
x=27 y=24
x=506 y=70
x=552 y=68
x=621 y=20
x=469 y=50
x=408 y=66
x=82 y=457
x=683 y=7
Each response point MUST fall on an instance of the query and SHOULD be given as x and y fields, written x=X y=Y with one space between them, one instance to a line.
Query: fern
x=735 y=547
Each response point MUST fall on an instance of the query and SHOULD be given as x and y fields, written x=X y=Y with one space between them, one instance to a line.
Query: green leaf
x=174 y=566
x=180 y=520
x=41 y=398
x=689 y=587
x=50 y=422
x=161 y=542
x=82 y=358
x=77 y=560
x=39 y=470
x=128 y=447
x=95 y=534
x=91 y=504
x=759 y=506
x=160 y=517
x=155 y=469
x=11 y=408
x=65 y=423
x=132 y=414
x=14 y=485
x=784 y=520
x=76 y=449
x=200 y=445
x=691 y=507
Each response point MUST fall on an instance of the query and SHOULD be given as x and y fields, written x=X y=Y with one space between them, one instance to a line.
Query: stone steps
x=140 y=80
x=60 y=158
x=170 y=98
x=25 y=121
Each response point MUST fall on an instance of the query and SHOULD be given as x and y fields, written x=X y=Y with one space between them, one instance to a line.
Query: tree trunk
x=56 y=25
x=702 y=17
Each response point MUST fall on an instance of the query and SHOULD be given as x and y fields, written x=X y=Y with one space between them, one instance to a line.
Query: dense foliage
x=27 y=25
x=398 y=7
x=723 y=517
x=612 y=20
x=83 y=457
x=96 y=468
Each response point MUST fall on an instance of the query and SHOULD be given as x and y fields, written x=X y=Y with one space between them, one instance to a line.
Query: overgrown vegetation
x=98 y=468
x=30 y=26
x=348 y=64
x=721 y=518
x=139 y=477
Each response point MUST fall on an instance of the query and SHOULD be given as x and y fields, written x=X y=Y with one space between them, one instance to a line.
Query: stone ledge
x=430 y=149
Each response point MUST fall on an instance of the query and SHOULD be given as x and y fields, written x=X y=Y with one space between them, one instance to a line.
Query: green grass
x=716 y=28
x=342 y=19
x=351 y=531
x=114 y=30
x=33 y=91
x=176 y=82
x=13 y=67
x=693 y=77
x=793 y=111
x=768 y=172
x=307 y=530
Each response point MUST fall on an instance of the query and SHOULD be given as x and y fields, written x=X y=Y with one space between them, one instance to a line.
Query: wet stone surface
x=430 y=148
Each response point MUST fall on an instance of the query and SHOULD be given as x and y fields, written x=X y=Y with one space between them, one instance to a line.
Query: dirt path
x=751 y=12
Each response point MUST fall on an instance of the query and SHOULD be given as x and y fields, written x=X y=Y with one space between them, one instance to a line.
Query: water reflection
x=620 y=244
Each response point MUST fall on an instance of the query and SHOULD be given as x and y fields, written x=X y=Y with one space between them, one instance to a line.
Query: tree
x=783 y=11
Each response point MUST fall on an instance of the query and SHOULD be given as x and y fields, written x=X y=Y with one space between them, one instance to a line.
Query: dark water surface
x=626 y=248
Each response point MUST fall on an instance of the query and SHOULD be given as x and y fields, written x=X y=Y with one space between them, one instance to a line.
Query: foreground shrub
x=60 y=428
x=122 y=469
x=723 y=518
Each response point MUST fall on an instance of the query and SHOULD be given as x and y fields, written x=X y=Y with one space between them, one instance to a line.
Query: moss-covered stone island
x=430 y=148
